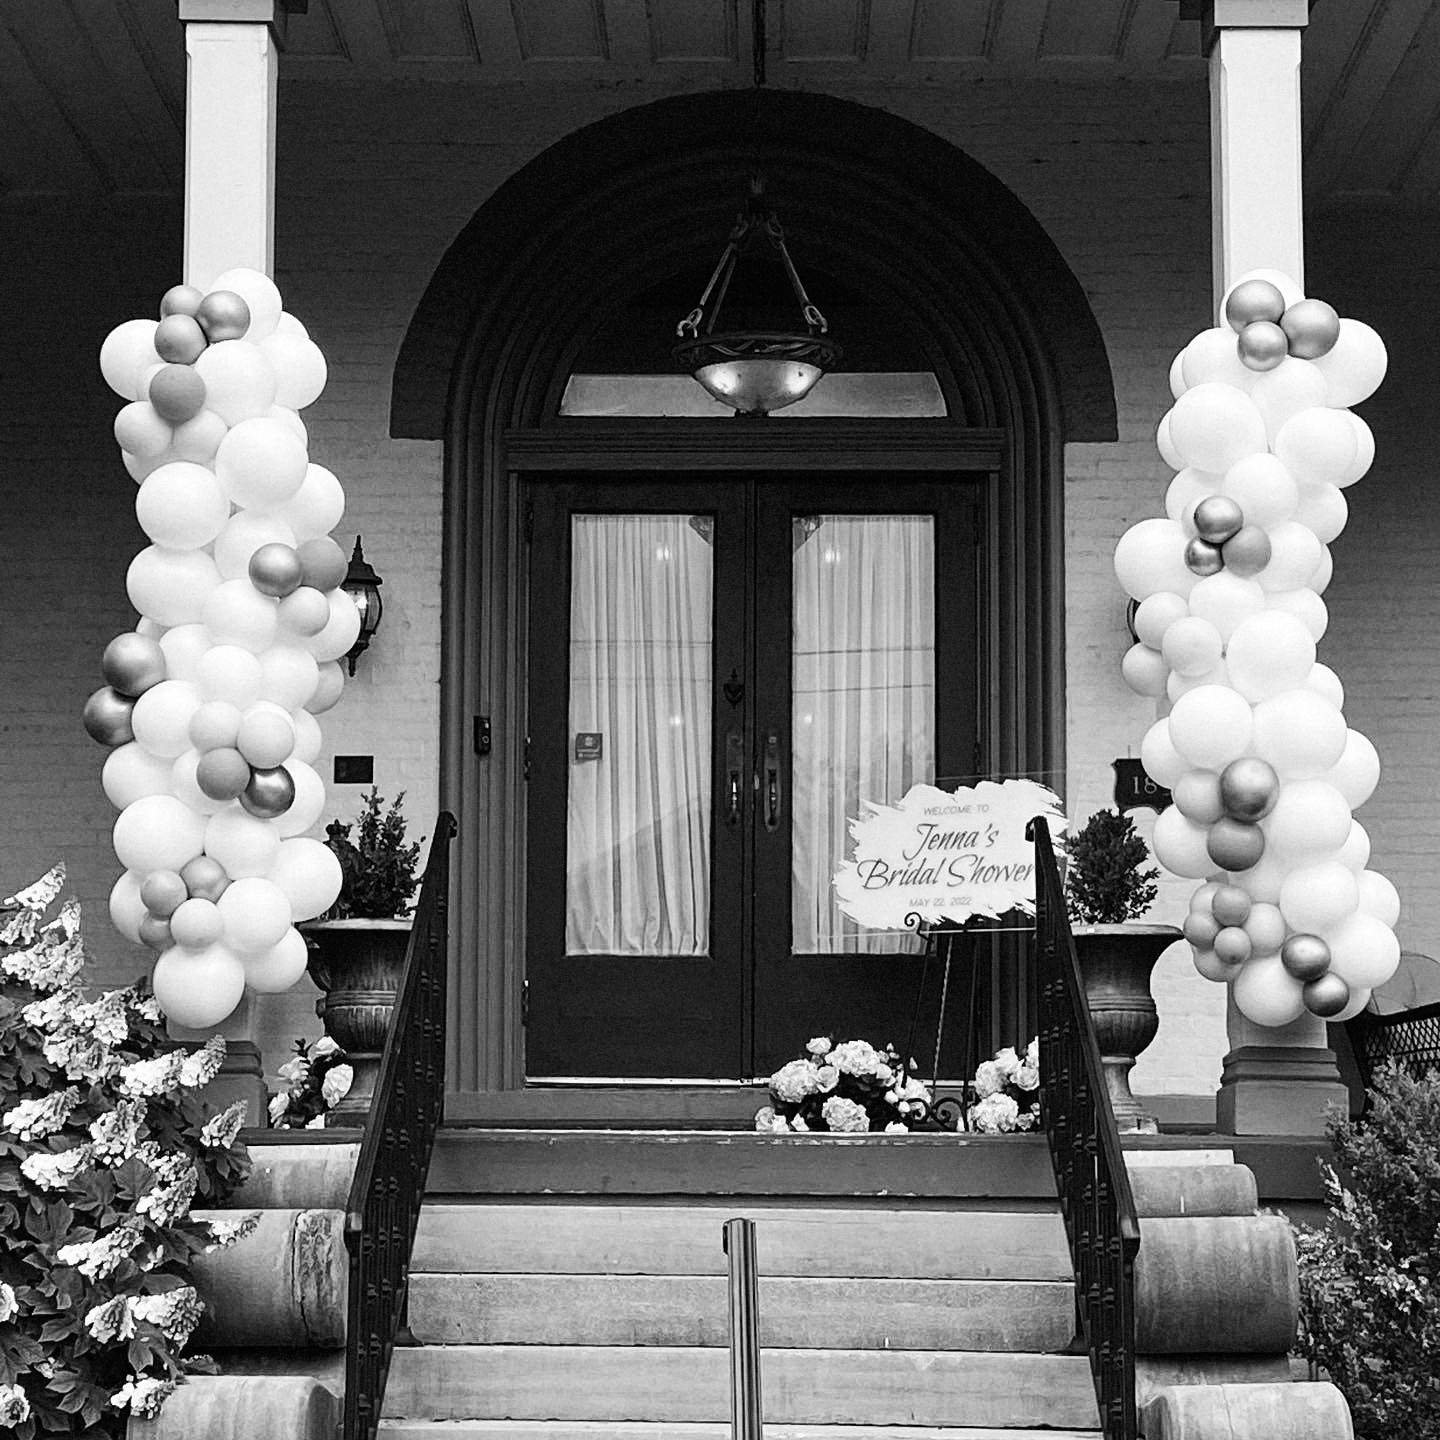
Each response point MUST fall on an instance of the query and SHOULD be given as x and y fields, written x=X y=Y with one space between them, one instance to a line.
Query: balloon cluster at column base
x=209 y=704
x=1250 y=734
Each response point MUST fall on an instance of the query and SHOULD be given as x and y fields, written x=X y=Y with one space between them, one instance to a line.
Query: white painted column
x=232 y=54
x=1275 y=1081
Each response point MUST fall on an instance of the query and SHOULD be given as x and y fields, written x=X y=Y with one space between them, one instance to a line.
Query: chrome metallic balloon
x=180 y=300
x=178 y=393
x=132 y=663
x=163 y=892
x=1233 y=945
x=1327 y=996
x=1253 y=300
x=270 y=792
x=155 y=932
x=324 y=563
x=107 y=717
x=275 y=569
x=1248 y=789
x=1262 y=345
x=1312 y=327
x=1306 y=957
x=1217 y=518
x=1247 y=551
x=1233 y=845
x=1203 y=557
x=205 y=878
x=223 y=315
x=1230 y=905
x=179 y=339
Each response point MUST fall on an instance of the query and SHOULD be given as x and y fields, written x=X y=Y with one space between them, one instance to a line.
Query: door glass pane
x=863 y=676
x=638 y=813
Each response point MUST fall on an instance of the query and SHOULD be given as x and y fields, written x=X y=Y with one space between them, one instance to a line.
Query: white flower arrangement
x=1007 y=1092
x=849 y=1087
x=318 y=1077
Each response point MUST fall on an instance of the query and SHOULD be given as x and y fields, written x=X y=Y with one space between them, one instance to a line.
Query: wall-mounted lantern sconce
x=362 y=585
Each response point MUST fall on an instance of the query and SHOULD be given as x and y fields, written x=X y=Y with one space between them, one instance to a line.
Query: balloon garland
x=210 y=702
x=1226 y=596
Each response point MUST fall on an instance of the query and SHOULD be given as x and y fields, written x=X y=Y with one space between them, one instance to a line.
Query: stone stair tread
x=686 y=1383
x=691 y=1430
x=946 y=1244
x=824 y=1312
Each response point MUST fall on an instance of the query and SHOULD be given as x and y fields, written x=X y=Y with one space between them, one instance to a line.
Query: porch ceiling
x=92 y=95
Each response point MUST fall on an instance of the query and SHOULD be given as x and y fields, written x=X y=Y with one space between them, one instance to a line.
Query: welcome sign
x=946 y=854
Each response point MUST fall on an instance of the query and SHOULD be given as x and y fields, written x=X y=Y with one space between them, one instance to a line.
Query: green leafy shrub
x=105 y=1142
x=377 y=867
x=1369 y=1304
x=1107 y=876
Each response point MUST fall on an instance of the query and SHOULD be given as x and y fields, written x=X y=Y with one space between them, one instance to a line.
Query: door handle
x=772 y=780
x=734 y=766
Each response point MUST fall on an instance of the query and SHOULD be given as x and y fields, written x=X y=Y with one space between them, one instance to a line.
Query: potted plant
x=1109 y=885
x=357 y=952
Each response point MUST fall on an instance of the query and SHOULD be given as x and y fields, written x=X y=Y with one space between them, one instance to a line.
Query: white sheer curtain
x=638 y=821
x=864 y=700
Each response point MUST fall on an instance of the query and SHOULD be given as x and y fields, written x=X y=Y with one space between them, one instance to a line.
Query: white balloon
x=1178 y=685
x=340 y=630
x=1263 y=489
x=170 y=586
x=316 y=508
x=287 y=324
x=1162 y=761
x=1212 y=967
x=236 y=613
x=1163 y=443
x=126 y=353
x=183 y=647
x=1294 y=557
x=1323 y=509
x=258 y=291
x=1306 y=606
x=1262 y=881
x=1357 y=772
x=1364 y=952
x=1143 y=670
x=1185 y=492
x=1300 y=733
x=1324 y=572
x=1156 y=614
x=305 y=809
x=1226 y=600
x=291 y=421
x=1355 y=366
x=1268 y=654
x=1324 y=681
x=1192 y=646
x=299 y=368
x=260 y=464
x=256 y=913
x=127 y=909
x=329 y=688
x=157 y=832
x=1179 y=845
x=1266 y=993
x=1214 y=356
x=132 y=772
x=180 y=506
x=308 y=739
x=1364 y=451
x=243 y=844
x=245 y=532
x=1197 y=798
x=239 y=384
x=1316 y=898
x=161 y=718
x=289 y=675
x=1213 y=426
x=1317 y=445
x=231 y=674
x=1355 y=852
x=268 y=972
x=1150 y=557
x=1210 y=727
x=1310 y=821
x=198 y=438
x=1378 y=897
x=198 y=988
x=308 y=872
x=1177 y=376
x=1359 y=999
x=267 y=735
x=196 y=923
x=215 y=725
x=141 y=432
x=1292 y=386
x=1265 y=925
x=303 y=613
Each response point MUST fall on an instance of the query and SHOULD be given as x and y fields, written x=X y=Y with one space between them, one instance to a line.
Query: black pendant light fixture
x=755 y=371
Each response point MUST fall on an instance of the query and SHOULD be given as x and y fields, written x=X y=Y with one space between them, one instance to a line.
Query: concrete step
x=642 y=1239
x=662 y=1430
x=795 y=1312
x=691 y=1384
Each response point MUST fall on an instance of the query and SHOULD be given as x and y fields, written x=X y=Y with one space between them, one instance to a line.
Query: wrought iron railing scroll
x=1090 y=1175
x=389 y=1184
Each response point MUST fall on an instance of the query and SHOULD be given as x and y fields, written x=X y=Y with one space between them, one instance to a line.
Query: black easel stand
x=955 y=947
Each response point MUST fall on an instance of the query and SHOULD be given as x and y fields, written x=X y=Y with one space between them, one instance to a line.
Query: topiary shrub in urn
x=357 y=953
x=1109 y=885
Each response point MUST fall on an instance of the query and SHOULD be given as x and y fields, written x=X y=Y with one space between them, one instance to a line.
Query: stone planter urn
x=1115 y=964
x=358 y=964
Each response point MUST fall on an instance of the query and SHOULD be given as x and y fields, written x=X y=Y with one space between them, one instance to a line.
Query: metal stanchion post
x=745 y=1406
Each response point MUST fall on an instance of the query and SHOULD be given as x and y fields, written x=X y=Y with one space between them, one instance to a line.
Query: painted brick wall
x=373 y=186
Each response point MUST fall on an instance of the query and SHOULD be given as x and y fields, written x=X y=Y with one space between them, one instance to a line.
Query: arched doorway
x=946 y=271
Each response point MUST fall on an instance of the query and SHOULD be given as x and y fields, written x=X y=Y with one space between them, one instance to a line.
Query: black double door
x=720 y=673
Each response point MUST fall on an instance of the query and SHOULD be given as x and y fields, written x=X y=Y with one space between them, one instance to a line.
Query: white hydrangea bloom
x=116 y=1134
x=232 y=1228
x=35 y=1119
x=170 y=1200
x=1027 y=1077
x=765 y=1119
x=97 y=1258
x=995 y=1115
x=325 y=1045
x=1008 y=1061
x=819 y=1046
x=114 y=1320
x=295 y=1069
x=793 y=1082
x=989 y=1079
x=336 y=1084
x=107 y=1018
x=9 y=1304
x=14 y=1406
x=144 y=1395
x=844 y=1115
x=855 y=1057
x=220 y=1130
x=1032 y=1054
x=204 y=1065
x=54 y=1172
x=51 y=1012
x=152 y=1077
x=827 y=1077
x=279 y=1104
x=175 y=1312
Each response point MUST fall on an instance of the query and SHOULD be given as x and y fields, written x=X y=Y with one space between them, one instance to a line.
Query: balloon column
x=1251 y=737
x=209 y=704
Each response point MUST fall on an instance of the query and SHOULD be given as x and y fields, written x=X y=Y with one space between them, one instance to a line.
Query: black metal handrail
x=389 y=1184
x=1090 y=1174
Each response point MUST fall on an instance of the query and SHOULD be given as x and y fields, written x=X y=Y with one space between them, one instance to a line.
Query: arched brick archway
x=905 y=217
